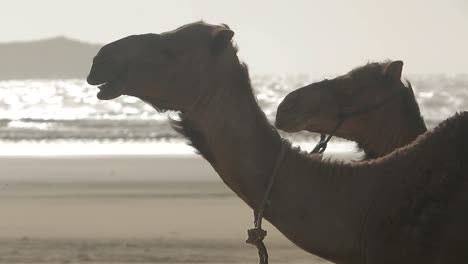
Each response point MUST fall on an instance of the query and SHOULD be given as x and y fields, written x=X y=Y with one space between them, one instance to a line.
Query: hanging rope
x=257 y=234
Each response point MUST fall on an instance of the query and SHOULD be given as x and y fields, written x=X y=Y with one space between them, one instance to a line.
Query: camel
x=379 y=112
x=407 y=207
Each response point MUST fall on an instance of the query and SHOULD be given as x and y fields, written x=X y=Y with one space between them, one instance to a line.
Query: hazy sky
x=316 y=37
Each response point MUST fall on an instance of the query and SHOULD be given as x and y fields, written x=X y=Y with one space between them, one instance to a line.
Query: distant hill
x=53 y=58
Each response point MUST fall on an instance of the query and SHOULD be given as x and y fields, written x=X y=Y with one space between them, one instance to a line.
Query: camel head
x=318 y=107
x=163 y=69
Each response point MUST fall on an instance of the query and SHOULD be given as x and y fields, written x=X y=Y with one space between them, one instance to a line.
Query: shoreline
x=94 y=161
x=74 y=148
x=154 y=250
x=95 y=168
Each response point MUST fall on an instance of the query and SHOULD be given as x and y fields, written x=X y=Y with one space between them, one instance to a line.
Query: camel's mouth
x=111 y=90
x=110 y=79
x=289 y=125
x=288 y=117
x=109 y=73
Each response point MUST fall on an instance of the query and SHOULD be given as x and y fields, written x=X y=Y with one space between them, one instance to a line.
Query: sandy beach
x=125 y=209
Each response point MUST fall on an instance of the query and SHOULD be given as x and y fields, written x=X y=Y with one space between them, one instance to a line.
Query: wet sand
x=120 y=251
x=126 y=209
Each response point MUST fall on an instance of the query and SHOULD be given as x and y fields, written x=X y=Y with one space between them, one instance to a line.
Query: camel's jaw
x=110 y=90
x=289 y=125
x=292 y=117
x=110 y=78
x=159 y=105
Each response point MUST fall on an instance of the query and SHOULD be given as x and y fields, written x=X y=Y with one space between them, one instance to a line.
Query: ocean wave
x=41 y=110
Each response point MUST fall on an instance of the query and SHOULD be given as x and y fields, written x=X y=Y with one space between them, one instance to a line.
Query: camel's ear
x=393 y=70
x=221 y=39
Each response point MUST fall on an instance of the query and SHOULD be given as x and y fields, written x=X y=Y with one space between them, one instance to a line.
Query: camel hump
x=460 y=120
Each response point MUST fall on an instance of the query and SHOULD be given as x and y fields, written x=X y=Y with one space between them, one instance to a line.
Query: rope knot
x=256 y=236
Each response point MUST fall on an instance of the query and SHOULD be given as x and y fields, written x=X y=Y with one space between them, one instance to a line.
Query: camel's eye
x=169 y=54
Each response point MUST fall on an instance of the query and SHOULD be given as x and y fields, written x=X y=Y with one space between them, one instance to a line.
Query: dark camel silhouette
x=380 y=113
x=407 y=207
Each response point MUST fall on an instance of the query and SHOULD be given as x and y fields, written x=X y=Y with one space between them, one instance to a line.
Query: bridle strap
x=371 y=107
x=324 y=139
x=342 y=117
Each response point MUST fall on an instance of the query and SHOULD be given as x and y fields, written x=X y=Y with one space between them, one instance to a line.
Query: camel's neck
x=401 y=126
x=235 y=136
x=320 y=208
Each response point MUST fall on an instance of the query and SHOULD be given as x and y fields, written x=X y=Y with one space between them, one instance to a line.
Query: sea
x=66 y=115
x=77 y=186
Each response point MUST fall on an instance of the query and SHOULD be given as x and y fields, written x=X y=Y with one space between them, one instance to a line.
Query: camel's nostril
x=104 y=71
x=90 y=80
x=286 y=106
x=101 y=59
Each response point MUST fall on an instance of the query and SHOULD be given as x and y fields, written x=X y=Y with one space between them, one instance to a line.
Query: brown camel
x=408 y=207
x=378 y=111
